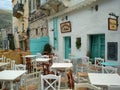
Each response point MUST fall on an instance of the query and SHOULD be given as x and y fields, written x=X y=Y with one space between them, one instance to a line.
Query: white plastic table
x=64 y=66
x=61 y=66
x=3 y=64
x=42 y=59
x=11 y=75
x=103 y=79
x=30 y=56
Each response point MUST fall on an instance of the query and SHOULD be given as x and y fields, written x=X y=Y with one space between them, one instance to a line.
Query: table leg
x=11 y=85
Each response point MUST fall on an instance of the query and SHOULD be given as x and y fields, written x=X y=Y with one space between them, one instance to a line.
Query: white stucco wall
x=86 y=21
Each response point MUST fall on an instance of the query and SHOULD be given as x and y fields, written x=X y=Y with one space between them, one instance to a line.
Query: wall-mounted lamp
x=64 y=18
x=114 y=15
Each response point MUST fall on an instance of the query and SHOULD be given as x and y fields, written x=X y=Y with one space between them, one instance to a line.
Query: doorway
x=97 y=46
x=67 y=42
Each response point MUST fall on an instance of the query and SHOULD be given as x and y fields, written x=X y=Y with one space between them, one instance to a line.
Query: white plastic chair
x=38 y=55
x=83 y=66
x=12 y=64
x=31 y=81
x=67 y=60
x=113 y=87
x=109 y=69
x=97 y=67
x=55 y=59
x=49 y=82
x=24 y=60
x=20 y=67
x=1 y=59
x=98 y=61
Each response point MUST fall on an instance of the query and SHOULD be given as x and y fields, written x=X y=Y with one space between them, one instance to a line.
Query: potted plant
x=78 y=43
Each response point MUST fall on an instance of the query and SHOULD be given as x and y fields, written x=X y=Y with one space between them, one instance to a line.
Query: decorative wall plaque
x=65 y=27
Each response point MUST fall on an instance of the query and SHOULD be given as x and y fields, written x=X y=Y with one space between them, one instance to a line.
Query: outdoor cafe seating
x=80 y=79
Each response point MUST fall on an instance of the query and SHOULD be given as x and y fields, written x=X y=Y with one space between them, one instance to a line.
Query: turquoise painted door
x=67 y=46
x=97 y=46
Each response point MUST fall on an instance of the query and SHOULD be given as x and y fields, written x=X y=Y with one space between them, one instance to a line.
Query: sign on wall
x=65 y=27
x=112 y=24
x=112 y=51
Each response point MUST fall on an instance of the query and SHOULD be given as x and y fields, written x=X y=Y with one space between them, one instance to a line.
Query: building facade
x=87 y=27
x=38 y=23
x=20 y=24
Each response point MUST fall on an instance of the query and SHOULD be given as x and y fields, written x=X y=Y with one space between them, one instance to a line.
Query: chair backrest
x=8 y=60
x=67 y=60
x=31 y=81
x=20 y=67
x=49 y=82
x=24 y=60
x=3 y=58
x=55 y=59
x=85 y=60
x=12 y=64
x=109 y=69
x=113 y=87
x=38 y=55
x=83 y=66
x=86 y=85
x=98 y=61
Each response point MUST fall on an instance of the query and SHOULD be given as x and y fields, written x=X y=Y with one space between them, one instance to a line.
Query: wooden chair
x=70 y=79
x=31 y=81
x=50 y=81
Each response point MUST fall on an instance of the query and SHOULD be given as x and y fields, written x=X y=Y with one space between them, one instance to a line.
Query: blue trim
x=55 y=38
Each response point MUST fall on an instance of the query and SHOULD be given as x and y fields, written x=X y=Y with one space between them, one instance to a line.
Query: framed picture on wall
x=65 y=27
x=112 y=51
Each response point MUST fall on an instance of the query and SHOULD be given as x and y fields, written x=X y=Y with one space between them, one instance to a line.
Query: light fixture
x=114 y=15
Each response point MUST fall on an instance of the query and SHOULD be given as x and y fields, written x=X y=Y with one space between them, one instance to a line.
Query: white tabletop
x=3 y=63
x=104 y=79
x=10 y=75
x=30 y=56
x=42 y=59
x=62 y=65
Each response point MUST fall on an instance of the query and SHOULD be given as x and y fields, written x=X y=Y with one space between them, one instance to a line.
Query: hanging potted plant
x=78 y=43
